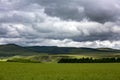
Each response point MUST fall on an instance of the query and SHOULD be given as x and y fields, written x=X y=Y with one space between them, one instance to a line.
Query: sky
x=63 y=23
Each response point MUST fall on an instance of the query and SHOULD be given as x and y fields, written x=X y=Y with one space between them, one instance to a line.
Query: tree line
x=89 y=60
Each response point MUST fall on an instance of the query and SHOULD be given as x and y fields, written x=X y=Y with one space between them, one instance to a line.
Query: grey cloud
x=95 y=10
x=78 y=23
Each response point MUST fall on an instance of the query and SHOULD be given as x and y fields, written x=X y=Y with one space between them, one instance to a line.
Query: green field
x=52 y=71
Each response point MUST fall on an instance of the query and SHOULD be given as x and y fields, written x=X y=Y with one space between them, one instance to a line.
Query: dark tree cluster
x=89 y=60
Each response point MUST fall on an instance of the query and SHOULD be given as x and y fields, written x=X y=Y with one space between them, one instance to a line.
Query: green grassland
x=54 y=58
x=43 y=71
x=49 y=69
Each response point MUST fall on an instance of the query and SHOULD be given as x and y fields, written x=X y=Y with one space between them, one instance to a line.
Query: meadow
x=55 y=71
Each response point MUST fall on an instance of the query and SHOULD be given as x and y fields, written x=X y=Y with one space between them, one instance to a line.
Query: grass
x=52 y=71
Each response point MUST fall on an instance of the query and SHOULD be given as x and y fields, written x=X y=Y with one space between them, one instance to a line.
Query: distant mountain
x=12 y=49
x=71 y=50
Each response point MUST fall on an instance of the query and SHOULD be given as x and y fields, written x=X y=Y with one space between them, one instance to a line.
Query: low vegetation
x=33 y=71
x=22 y=60
x=61 y=59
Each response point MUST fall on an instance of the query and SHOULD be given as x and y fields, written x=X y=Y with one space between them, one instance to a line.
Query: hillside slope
x=72 y=50
x=12 y=49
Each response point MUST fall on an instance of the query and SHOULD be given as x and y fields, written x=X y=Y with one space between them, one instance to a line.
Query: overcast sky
x=65 y=23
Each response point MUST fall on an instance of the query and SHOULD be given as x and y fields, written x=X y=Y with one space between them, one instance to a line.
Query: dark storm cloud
x=96 y=10
x=65 y=9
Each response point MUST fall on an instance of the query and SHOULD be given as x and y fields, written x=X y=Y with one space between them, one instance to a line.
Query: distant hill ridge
x=13 y=49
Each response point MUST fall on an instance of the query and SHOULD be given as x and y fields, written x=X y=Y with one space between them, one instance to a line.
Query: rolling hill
x=71 y=50
x=12 y=49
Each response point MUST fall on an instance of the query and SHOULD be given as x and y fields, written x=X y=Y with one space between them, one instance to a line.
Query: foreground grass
x=39 y=71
